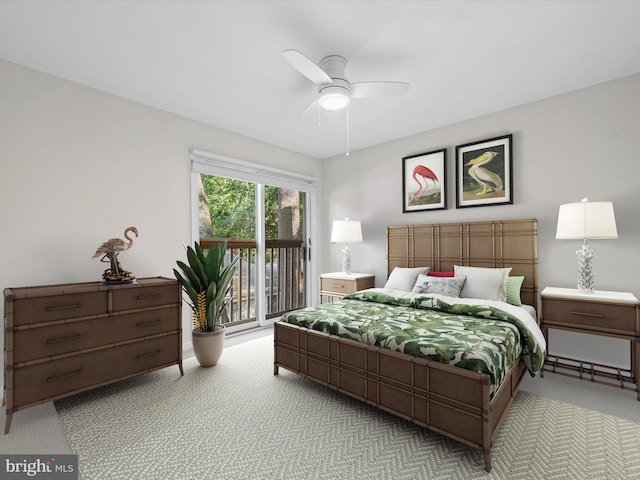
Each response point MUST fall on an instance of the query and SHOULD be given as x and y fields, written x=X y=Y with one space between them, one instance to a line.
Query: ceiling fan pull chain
x=347 y=130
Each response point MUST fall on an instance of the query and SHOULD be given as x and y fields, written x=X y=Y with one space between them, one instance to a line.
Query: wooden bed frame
x=445 y=399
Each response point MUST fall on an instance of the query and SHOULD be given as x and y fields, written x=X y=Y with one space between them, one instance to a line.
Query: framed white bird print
x=484 y=173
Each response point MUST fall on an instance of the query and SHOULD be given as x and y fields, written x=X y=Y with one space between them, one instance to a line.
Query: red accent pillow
x=440 y=274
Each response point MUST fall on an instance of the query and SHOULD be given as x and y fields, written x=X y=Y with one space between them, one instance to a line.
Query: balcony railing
x=284 y=278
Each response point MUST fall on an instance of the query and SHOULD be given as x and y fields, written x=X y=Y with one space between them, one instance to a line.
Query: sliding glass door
x=285 y=250
x=227 y=212
x=266 y=226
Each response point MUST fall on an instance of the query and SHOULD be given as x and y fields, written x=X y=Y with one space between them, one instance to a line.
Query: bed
x=467 y=405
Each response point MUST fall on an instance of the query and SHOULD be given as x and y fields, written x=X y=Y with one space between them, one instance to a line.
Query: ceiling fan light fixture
x=334 y=97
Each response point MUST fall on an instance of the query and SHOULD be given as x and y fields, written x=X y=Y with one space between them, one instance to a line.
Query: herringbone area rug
x=239 y=421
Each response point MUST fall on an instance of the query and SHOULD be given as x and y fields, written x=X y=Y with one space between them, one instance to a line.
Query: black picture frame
x=484 y=172
x=424 y=181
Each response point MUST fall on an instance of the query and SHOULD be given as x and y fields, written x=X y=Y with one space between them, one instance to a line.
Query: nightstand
x=611 y=314
x=334 y=286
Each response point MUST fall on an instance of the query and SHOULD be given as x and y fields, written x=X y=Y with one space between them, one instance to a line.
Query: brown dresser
x=64 y=339
x=334 y=286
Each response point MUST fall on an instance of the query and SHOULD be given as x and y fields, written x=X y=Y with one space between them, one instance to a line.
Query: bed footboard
x=448 y=400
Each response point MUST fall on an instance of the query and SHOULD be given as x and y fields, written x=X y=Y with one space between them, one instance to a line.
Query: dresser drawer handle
x=148 y=297
x=150 y=354
x=63 y=307
x=337 y=285
x=585 y=314
x=60 y=340
x=148 y=324
x=63 y=377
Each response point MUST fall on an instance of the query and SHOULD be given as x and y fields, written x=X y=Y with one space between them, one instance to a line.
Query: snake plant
x=206 y=280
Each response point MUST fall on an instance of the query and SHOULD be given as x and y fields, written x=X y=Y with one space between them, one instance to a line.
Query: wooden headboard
x=494 y=244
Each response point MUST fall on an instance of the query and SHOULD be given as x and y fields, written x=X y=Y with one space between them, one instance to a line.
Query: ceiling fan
x=334 y=89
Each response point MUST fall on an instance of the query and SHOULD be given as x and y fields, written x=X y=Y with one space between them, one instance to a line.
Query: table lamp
x=346 y=231
x=584 y=221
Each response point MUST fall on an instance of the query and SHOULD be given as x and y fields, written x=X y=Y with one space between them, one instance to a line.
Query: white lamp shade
x=346 y=231
x=586 y=220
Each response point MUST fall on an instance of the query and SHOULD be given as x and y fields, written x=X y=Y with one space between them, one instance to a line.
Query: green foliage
x=206 y=281
x=231 y=206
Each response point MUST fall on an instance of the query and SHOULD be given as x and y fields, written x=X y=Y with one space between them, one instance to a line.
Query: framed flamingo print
x=423 y=181
x=483 y=173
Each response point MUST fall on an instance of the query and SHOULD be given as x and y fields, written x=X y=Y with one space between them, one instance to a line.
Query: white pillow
x=449 y=286
x=404 y=278
x=485 y=283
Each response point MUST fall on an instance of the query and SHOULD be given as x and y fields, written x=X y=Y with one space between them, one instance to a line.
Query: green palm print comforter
x=478 y=335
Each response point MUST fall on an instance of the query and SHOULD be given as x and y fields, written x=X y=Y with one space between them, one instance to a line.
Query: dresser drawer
x=56 y=378
x=590 y=315
x=44 y=342
x=147 y=323
x=57 y=307
x=144 y=297
x=43 y=381
x=142 y=356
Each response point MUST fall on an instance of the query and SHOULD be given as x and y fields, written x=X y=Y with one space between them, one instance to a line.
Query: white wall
x=581 y=144
x=78 y=166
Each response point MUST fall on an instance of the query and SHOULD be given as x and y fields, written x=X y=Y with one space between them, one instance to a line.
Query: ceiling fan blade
x=378 y=89
x=309 y=108
x=306 y=67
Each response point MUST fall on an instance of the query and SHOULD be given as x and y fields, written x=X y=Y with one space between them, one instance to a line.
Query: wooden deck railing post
x=284 y=289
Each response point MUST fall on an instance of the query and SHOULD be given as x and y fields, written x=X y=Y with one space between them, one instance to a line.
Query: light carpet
x=239 y=421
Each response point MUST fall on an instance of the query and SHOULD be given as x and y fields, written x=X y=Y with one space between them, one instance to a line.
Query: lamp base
x=346 y=259
x=585 y=271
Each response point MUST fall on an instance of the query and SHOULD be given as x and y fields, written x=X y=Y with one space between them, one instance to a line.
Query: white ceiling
x=220 y=62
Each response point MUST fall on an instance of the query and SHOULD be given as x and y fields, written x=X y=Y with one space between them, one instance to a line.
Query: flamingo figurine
x=109 y=251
